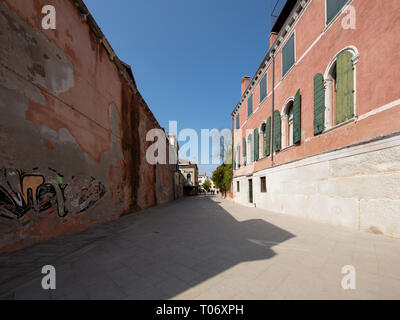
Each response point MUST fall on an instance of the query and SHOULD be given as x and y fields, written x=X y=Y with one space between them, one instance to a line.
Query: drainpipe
x=273 y=107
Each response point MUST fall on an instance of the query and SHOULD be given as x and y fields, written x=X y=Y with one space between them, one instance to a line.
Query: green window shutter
x=250 y=106
x=237 y=122
x=288 y=56
x=277 y=130
x=319 y=104
x=333 y=7
x=251 y=141
x=267 y=138
x=256 y=145
x=345 y=87
x=263 y=88
x=244 y=151
x=297 y=118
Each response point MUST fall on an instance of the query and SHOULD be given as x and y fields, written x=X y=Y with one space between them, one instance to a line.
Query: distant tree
x=222 y=178
x=207 y=185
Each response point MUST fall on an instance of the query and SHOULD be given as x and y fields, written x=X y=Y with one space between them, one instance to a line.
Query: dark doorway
x=251 y=191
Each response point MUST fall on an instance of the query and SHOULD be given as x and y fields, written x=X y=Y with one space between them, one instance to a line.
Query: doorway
x=251 y=191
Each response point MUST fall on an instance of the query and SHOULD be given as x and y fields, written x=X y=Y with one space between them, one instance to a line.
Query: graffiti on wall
x=40 y=190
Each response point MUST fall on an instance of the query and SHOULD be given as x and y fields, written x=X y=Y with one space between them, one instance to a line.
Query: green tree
x=207 y=185
x=222 y=178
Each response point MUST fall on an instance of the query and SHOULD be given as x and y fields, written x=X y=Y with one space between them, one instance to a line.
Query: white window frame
x=329 y=107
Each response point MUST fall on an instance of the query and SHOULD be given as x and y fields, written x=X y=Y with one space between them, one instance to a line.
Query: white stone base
x=356 y=187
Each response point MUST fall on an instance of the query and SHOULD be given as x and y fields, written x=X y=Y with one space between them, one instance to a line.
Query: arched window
x=339 y=89
x=287 y=126
x=262 y=139
x=250 y=148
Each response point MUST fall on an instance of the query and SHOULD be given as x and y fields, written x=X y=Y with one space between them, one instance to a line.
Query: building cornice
x=282 y=36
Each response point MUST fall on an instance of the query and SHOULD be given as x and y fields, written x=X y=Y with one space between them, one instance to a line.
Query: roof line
x=121 y=66
x=272 y=50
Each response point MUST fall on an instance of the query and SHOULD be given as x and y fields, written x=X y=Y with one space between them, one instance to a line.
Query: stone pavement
x=206 y=248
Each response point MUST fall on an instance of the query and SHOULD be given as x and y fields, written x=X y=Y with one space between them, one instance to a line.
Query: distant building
x=190 y=172
x=202 y=178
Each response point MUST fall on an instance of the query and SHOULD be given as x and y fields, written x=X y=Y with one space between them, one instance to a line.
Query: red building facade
x=316 y=131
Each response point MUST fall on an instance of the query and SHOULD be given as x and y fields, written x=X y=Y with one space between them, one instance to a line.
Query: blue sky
x=188 y=56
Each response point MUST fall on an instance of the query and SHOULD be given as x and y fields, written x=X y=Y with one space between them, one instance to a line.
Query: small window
x=237 y=186
x=250 y=106
x=288 y=56
x=263 y=181
x=263 y=88
x=333 y=7
x=237 y=122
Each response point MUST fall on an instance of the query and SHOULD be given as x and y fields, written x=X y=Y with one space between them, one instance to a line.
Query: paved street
x=206 y=248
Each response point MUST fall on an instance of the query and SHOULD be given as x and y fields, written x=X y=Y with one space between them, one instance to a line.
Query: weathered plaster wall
x=72 y=130
x=355 y=187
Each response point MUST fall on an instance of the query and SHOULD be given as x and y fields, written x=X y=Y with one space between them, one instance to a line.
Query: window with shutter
x=288 y=55
x=238 y=152
x=277 y=130
x=297 y=118
x=250 y=141
x=267 y=149
x=333 y=7
x=345 y=87
x=263 y=88
x=250 y=106
x=319 y=104
x=256 y=145
x=237 y=122
x=244 y=152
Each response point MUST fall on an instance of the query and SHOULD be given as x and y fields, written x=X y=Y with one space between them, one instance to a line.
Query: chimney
x=244 y=83
x=272 y=38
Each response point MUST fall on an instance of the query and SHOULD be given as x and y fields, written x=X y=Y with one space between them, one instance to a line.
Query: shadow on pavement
x=156 y=254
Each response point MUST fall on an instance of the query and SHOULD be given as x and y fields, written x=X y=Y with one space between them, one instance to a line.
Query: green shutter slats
x=297 y=118
x=267 y=138
x=251 y=142
x=237 y=121
x=288 y=56
x=250 y=106
x=238 y=152
x=263 y=88
x=256 y=144
x=345 y=87
x=333 y=7
x=319 y=104
x=244 y=148
x=277 y=130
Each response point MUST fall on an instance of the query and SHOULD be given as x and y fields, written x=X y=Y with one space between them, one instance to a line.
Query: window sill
x=339 y=125
x=288 y=148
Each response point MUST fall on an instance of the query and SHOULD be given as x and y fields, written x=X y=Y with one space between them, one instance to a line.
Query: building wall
x=72 y=130
x=356 y=187
x=377 y=98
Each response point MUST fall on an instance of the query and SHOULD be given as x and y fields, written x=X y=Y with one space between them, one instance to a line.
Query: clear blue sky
x=188 y=56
